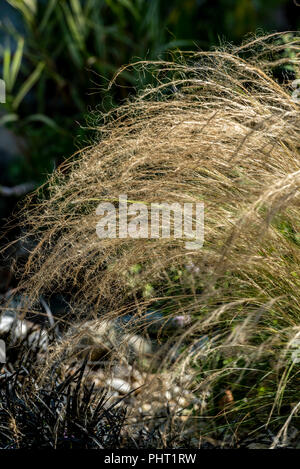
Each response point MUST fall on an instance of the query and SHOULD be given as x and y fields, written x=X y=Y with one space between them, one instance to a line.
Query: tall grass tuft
x=220 y=128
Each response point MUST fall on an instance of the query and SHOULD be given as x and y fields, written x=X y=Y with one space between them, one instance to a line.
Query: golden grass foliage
x=214 y=127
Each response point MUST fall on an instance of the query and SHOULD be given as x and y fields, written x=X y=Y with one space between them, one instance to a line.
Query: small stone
x=139 y=345
x=182 y=402
x=6 y=322
x=136 y=375
x=137 y=386
x=177 y=390
x=168 y=395
x=146 y=407
x=119 y=385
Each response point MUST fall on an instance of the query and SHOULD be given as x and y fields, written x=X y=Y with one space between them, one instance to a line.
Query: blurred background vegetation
x=57 y=57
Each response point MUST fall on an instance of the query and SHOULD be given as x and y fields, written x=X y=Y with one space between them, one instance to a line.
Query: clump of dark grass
x=63 y=413
x=60 y=412
x=63 y=410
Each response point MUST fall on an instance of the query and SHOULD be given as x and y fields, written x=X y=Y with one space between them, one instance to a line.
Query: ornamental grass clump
x=221 y=128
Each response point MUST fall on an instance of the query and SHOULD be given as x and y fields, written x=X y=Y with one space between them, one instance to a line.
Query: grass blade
x=16 y=62
x=29 y=83
x=6 y=67
x=50 y=7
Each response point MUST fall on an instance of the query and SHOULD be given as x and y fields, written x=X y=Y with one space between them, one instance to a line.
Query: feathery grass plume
x=215 y=127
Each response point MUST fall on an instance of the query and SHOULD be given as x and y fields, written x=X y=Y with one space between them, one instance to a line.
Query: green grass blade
x=131 y=7
x=50 y=7
x=29 y=83
x=26 y=7
x=6 y=67
x=7 y=118
x=16 y=61
x=79 y=15
x=45 y=120
x=73 y=27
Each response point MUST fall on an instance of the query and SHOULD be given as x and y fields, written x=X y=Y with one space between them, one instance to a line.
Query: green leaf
x=45 y=120
x=73 y=26
x=16 y=62
x=7 y=118
x=28 y=8
x=6 y=67
x=79 y=15
x=29 y=83
x=31 y=5
x=50 y=7
x=130 y=6
x=75 y=54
